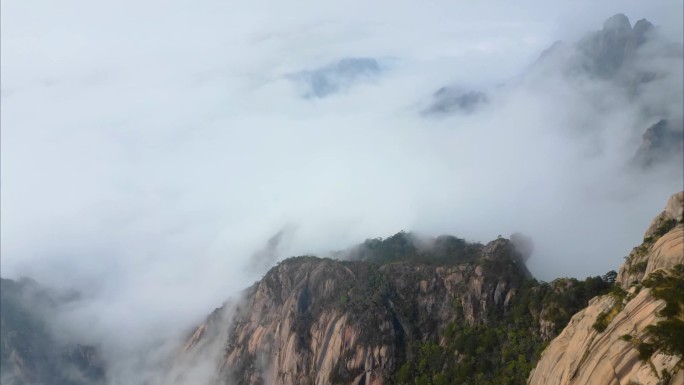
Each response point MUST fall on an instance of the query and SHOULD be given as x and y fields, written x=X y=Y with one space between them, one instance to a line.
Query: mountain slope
x=30 y=353
x=383 y=317
x=613 y=340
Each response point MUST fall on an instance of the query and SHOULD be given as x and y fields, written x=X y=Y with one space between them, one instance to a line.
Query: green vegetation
x=402 y=246
x=385 y=288
x=568 y=296
x=668 y=286
x=604 y=319
x=503 y=351
x=646 y=350
x=601 y=323
x=667 y=335
x=638 y=267
x=636 y=260
x=664 y=228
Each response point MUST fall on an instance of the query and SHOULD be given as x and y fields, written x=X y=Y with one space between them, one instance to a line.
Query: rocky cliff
x=661 y=247
x=611 y=53
x=370 y=319
x=409 y=310
x=405 y=310
x=625 y=337
x=324 y=321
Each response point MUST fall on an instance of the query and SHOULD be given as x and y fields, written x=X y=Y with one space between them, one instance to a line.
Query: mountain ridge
x=417 y=310
x=612 y=341
x=297 y=326
x=406 y=310
x=324 y=321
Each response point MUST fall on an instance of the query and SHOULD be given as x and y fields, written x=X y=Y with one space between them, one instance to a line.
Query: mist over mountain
x=410 y=310
x=33 y=350
x=159 y=169
x=661 y=142
x=337 y=77
x=636 y=65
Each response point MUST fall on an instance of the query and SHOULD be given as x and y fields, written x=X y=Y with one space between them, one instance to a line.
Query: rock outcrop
x=598 y=345
x=407 y=310
x=391 y=304
x=661 y=249
x=448 y=100
x=633 y=63
x=661 y=141
x=324 y=321
x=309 y=322
x=610 y=53
x=606 y=51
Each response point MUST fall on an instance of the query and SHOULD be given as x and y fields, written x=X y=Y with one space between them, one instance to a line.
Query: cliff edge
x=617 y=338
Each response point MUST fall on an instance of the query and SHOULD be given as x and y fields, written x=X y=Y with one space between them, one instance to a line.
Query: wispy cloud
x=149 y=150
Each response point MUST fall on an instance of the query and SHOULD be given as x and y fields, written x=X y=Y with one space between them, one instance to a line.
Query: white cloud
x=149 y=149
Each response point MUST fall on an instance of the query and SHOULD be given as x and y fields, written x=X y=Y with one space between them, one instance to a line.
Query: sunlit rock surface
x=583 y=355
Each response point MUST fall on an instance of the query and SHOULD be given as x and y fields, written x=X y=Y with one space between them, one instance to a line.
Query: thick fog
x=150 y=151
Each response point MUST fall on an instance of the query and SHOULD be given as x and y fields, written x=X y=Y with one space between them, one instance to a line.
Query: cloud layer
x=149 y=150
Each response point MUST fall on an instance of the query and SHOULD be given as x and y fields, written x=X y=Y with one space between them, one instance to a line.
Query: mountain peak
x=621 y=329
x=608 y=53
x=642 y=26
x=618 y=22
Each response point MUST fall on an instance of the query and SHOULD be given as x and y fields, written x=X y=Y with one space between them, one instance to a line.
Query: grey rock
x=448 y=100
x=338 y=76
x=661 y=141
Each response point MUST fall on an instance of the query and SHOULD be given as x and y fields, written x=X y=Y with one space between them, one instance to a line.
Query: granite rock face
x=582 y=354
x=322 y=321
x=611 y=53
x=660 y=248
x=608 y=50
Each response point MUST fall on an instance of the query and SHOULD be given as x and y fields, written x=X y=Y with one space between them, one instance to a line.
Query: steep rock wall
x=322 y=321
x=581 y=354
